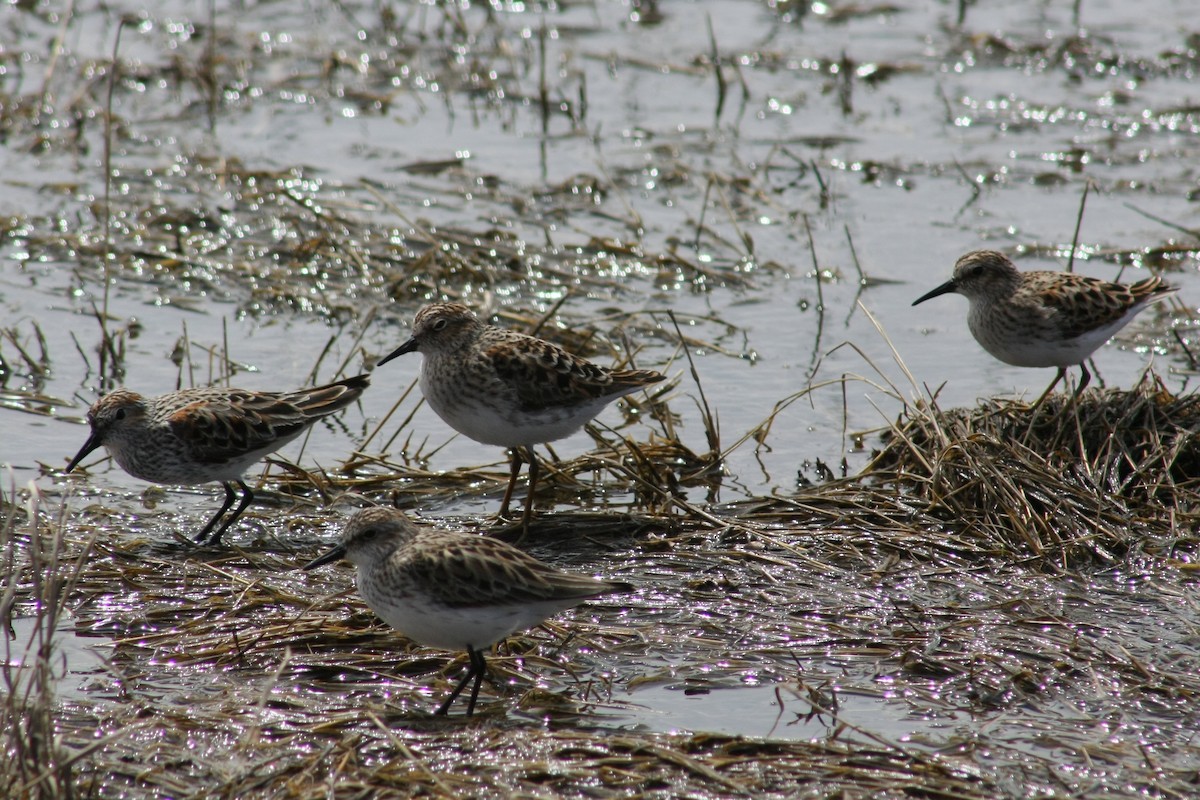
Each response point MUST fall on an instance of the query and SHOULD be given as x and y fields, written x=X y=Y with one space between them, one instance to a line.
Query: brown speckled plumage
x=1042 y=318
x=508 y=389
x=207 y=434
x=454 y=590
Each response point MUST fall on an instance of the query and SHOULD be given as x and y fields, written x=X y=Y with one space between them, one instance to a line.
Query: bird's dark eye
x=120 y=414
x=369 y=534
x=440 y=325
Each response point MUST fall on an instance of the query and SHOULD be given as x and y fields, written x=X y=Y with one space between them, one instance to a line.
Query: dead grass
x=232 y=670
x=1021 y=585
x=1074 y=482
x=42 y=567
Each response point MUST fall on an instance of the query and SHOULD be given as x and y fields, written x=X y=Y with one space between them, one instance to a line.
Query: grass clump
x=1075 y=479
x=42 y=568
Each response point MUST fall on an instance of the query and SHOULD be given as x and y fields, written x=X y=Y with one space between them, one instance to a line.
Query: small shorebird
x=454 y=591
x=1044 y=319
x=195 y=436
x=505 y=388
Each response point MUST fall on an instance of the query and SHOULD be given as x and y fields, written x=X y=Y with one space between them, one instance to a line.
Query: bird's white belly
x=496 y=420
x=450 y=628
x=168 y=466
x=1040 y=347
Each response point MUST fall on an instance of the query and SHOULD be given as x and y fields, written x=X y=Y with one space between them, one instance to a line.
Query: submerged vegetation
x=975 y=600
x=232 y=669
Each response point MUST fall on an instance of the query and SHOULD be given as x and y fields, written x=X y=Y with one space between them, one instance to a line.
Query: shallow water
x=1021 y=123
x=943 y=141
x=780 y=712
x=77 y=661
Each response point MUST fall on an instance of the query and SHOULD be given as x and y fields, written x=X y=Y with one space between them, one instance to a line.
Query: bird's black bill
x=408 y=347
x=945 y=288
x=91 y=444
x=333 y=554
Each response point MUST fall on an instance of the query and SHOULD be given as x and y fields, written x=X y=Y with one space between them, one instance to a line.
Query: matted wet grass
x=230 y=670
x=972 y=602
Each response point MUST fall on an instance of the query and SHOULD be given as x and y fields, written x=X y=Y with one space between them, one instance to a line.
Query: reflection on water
x=74 y=658
x=776 y=712
x=888 y=137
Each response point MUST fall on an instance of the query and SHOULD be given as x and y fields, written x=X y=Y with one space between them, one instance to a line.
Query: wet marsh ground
x=855 y=577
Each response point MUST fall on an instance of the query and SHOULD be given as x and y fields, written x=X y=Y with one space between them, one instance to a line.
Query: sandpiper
x=454 y=590
x=199 y=435
x=505 y=388
x=1044 y=319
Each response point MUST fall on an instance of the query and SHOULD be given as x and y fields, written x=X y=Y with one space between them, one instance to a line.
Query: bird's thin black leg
x=1062 y=372
x=476 y=669
x=1084 y=379
x=533 y=476
x=247 y=499
x=230 y=496
x=517 y=453
x=480 y=667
